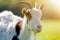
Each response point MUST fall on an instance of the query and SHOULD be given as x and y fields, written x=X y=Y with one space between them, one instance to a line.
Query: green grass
x=50 y=30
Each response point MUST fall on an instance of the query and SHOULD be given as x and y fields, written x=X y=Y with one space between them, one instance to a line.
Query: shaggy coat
x=9 y=29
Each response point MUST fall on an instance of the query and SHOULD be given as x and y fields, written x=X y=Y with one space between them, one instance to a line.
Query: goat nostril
x=39 y=28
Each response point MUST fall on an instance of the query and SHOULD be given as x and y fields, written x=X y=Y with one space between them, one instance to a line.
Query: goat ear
x=24 y=11
x=27 y=13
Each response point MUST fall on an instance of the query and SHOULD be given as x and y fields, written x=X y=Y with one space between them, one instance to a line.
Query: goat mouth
x=38 y=30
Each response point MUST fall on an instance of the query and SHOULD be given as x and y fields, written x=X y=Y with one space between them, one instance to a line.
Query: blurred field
x=50 y=30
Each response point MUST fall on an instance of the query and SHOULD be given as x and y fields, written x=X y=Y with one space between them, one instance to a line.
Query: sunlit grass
x=50 y=30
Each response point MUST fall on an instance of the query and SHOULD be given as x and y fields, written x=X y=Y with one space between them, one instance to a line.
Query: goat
x=32 y=22
x=11 y=24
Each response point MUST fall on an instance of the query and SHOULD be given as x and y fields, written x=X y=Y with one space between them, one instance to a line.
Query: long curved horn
x=27 y=3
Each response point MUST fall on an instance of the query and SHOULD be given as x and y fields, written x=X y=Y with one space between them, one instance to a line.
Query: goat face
x=33 y=18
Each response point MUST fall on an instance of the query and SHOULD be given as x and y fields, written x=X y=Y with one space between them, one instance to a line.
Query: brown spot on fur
x=18 y=27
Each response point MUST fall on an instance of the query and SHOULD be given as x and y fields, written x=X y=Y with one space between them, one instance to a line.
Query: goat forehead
x=35 y=20
x=36 y=12
x=36 y=16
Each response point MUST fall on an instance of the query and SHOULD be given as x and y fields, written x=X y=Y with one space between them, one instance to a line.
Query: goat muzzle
x=39 y=28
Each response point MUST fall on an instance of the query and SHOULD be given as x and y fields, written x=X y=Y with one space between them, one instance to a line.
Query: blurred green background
x=50 y=18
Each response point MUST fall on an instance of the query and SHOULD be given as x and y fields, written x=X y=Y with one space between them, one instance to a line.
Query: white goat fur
x=8 y=22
